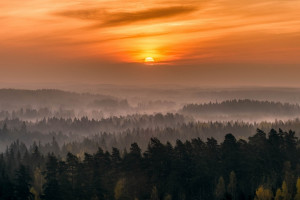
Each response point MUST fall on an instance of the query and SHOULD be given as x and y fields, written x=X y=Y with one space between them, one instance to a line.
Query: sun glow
x=149 y=60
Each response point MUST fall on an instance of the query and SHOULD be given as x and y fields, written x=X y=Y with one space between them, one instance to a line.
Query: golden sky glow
x=40 y=33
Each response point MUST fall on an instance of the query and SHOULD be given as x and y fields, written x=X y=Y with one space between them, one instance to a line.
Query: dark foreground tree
x=51 y=187
x=23 y=184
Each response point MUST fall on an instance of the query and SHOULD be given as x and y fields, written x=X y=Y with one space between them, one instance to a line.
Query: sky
x=197 y=43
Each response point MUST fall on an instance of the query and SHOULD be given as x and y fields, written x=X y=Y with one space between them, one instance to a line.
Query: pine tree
x=154 y=194
x=278 y=195
x=263 y=194
x=72 y=165
x=55 y=146
x=285 y=192
x=51 y=187
x=231 y=188
x=297 y=196
x=119 y=189
x=115 y=156
x=23 y=185
x=38 y=181
x=220 y=189
x=5 y=129
x=23 y=129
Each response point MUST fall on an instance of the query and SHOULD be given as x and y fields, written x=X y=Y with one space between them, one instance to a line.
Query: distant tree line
x=243 y=106
x=110 y=124
x=36 y=114
x=264 y=167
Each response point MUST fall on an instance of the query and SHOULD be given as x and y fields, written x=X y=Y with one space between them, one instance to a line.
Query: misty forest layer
x=67 y=145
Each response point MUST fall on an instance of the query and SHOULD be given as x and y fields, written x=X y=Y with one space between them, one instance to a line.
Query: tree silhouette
x=23 y=184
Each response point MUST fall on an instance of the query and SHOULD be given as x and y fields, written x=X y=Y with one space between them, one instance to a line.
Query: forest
x=266 y=166
x=246 y=109
x=243 y=106
x=67 y=145
x=86 y=135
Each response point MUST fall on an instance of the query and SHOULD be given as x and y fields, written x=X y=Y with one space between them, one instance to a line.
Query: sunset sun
x=149 y=60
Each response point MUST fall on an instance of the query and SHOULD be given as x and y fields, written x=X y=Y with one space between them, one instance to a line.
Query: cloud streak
x=107 y=19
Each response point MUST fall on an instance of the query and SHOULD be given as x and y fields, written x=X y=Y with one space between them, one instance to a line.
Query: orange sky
x=107 y=41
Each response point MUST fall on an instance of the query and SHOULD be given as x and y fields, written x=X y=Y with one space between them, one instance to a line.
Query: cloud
x=122 y=18
x=156 y=13
x=87 y=14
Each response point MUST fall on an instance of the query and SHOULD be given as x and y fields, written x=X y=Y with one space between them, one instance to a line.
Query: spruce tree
x=23 y=184
x=220 y=189
x=51 y=187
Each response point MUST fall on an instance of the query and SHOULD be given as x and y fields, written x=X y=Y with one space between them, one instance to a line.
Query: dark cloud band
x=123 y=18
